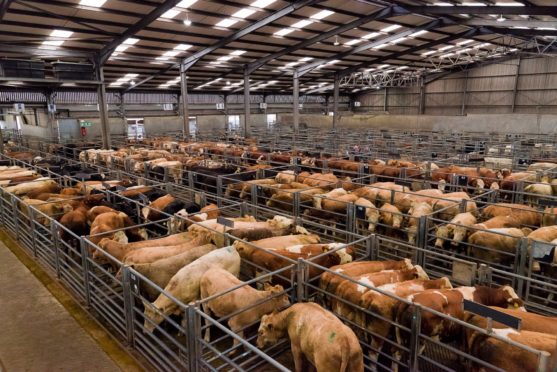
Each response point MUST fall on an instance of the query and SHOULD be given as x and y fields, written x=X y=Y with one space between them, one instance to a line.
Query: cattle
x=384 y=307
x=184 y=285
x=320 y=180
x=51 y=187
x=549 y=217
x=390 y=215
x=535 y=191
x=287 y=176
x=351 y=291
x=50 y=209
x=284 y=199
x=92 y=213
x=105 y=224
x=152 y=254
x=450 y=205
x=245 y=305
x=495 y=246
x=161 y=271
x=449 y=302
x=182 y=218
x=458 y=227
x=316 y=335
x=505 y=356
x=277 y=242
x=372 y=215
x=541 y=166
x=275 y=259
x=329 y=281
x=418 y=209
x=423 y=196
x=26 y=187
x=166 y=205
x=335 y=200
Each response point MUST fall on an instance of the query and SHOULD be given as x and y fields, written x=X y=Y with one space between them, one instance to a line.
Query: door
x=68 y=129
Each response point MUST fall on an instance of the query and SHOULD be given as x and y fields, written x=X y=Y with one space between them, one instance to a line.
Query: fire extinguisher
x=83 y=131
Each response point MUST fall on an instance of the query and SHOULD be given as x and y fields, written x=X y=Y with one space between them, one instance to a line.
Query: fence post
x=85 y=267
x=254 y=194
x=521 y=265
x=219 y=186
x=128 y=303
x=2 y=210
x=300 y=279
x=54 y=233
x=296 y=204
x=191 y=339
x=421 y=240
x=31 y=214
x=351 y=219
x=543 y=364
x=415 y=330
x=16 y=219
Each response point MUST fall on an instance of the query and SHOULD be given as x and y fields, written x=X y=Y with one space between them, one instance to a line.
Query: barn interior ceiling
x=366 y=44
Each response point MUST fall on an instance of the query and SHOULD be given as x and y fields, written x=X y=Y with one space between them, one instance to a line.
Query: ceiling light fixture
x=187 y=21
x=336 y=43
x=501 y=18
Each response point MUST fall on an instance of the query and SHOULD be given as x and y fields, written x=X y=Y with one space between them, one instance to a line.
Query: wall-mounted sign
x=51 y=108
x=19 y=107
x=85 y=124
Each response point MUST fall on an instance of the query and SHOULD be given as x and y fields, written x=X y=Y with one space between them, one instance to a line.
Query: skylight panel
x=382 y=66
x=446 y=48
x=371 y=36
x=465 y=42
x=53 y=42
x=171 y=53
x=121 y=48
x=508 y=3
x=418 y=33
x=302 y=23
x=61 y=33
x=182 y=47
x=380 y=46
x=94 y=3
x=225 y=58
x=473 y=3
x=243 y=13
x=237 y=52
x=283 y=32
x=446 y=55
x=186 y=3
x=429 y=53
x=391 y=28
x=131 y=41
x=262 y=3
x=305 y=59
x=400 y=39
x=131 y=76
x=322 y=14
x=227 y=22
x=169 y=14
x=442 y=3
x=353 y=42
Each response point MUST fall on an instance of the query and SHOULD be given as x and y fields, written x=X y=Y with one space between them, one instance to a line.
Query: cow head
x=412 y=230
x=344 y=254
x=269 y=333
x=152 y=315
x=281 y=222
x=372 y=215
x=511 y=298
x=281 y=300
x=442 y=234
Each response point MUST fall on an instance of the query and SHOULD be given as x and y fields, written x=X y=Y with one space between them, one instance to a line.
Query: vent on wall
x=73 y=71
x=18 y=68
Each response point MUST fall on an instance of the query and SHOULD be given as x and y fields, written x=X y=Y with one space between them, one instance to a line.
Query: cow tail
x=345 y=358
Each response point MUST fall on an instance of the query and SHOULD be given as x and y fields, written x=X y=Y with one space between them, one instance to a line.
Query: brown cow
x=246 y=304
x=316 y=336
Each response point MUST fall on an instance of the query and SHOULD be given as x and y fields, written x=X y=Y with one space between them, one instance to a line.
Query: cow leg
x=298 y=357
x=207 y=310
x=236 y=328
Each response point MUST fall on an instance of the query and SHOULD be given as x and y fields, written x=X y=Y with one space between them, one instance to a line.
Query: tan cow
x=152 y=254
x=458 y=227
x=390 y=216
x=246 y=304
x=495 y=246
x=278 y=242
x=315 y=334
x=417 y=210
x=371 y=213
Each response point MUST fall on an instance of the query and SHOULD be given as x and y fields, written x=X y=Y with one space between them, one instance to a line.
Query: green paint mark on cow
x=332 y=336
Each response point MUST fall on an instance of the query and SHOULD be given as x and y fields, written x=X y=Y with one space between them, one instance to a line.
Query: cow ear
x=266 y=286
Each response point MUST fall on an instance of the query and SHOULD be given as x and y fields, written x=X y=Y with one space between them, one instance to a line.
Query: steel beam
x=184 y=98
x=512 y=23
x=247 y=105
x=376 y=16
x=296 y=102
x=37 y=52
x=4 y=5
x=235 y=36
x=105 y=52
x=335 y=101
x=510 y=10
x=103 y=109
x=310 y=66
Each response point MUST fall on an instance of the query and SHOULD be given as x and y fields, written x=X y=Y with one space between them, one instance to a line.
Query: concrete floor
x=36 y=332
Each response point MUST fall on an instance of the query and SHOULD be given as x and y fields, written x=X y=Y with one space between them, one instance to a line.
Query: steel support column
x=247 y=108
x=463 y=108
x=515 y=88
x=52 y=132
x=296 y=103
x=335 y=101
x=421 y=107
x=103 y=109
x=385 y=99
x=184 y=99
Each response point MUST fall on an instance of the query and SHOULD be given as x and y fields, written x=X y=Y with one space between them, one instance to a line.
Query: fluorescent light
x=380 y=46
x=225 y=58
x=227 y=22
x=170 y=13
x=95 y=3
x=483 y=45
x=546 y=28
x=182 y=47
x=53 y=42
x=428 y=53
x=132 y=75
x=402 y=67
x=446 y=55
x=371 y=36
x=390 y=28
x=283 y=32
x=262 y=3
x=243 y=13
x=418 y=33
x=382 y=66
x=171 y=53
x=302 y=23
x=121 y=48
x=446 y=48
x=305 y=59
x=464 y=50
x=131 y=41
x=237 y=52
x=322 y=14
x=508 y=3
x=443 y=4
x=61 y=33
x=465 y=42
x=353 y=42
x=162 y=58
x=186 y=3
x=115 y=84
x=473 y=3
